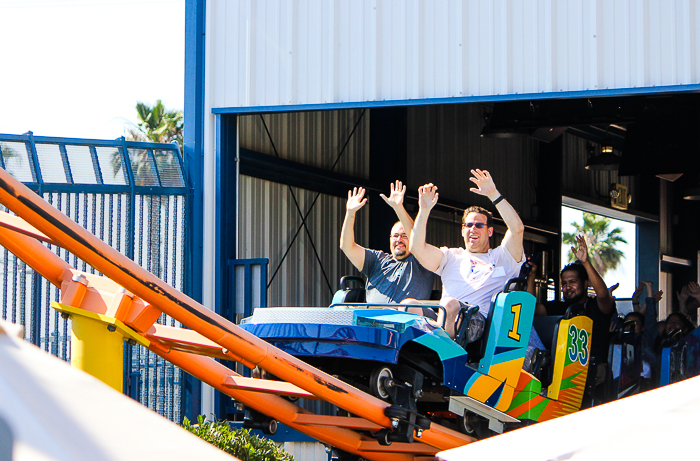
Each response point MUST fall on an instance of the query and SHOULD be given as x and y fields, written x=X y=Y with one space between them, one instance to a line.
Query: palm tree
x=10 y=157
x=602 y=242
x=156 y=124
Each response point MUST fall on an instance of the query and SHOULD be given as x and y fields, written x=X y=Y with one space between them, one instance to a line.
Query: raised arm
x=635 y=299
x=354 y=252
x=426 y=254
x=395 y=201
x=650 y=312
x=513 y=239
x=694 y=292
x=605 y=300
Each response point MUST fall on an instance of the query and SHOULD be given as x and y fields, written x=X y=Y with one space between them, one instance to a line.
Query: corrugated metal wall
x=268 y=220
x=312 y=138
x=269 y=225
x=578 y=182
x=444 y=145
x=278 y=52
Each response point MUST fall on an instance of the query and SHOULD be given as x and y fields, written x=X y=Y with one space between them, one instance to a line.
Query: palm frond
x=602 y=242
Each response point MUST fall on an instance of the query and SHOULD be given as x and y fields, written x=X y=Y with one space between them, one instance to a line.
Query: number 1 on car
x=513 y=333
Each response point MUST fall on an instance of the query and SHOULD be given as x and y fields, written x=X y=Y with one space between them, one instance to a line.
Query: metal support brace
x=497 y=419
x=97 y=344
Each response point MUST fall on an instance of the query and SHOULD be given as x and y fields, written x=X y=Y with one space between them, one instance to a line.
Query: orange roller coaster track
x=134 y=312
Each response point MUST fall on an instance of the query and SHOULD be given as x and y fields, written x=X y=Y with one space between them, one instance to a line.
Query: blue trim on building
x=459 y=100
x=193 y=151
x=194 y=170
x=647 y=251
x=219 y=200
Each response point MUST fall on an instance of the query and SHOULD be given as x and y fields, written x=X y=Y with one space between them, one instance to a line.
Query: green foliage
x=10 y=157
x=602 y=251
x=157 y=124
x=237 y=442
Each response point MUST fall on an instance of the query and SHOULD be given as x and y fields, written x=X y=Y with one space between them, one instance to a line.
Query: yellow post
x=97 y=350
x=97 y=343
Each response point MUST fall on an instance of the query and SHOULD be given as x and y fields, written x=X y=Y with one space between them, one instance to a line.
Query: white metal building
x=291 y=102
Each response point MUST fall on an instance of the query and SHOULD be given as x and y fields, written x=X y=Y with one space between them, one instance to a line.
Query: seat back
x=507 y=335
x=547 y=327
x=571 y=353
x=352 y=290
x=624 y=365
x=681 y=359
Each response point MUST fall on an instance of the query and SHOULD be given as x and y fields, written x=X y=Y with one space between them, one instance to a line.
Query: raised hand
x=395 y=199
x=581 y=252
x=427 y=196
x=694 y=290
x=658 y=295
x=484 y=183
x=614 y=325
x=638 y=292
x=356 y=199
x=683 y=295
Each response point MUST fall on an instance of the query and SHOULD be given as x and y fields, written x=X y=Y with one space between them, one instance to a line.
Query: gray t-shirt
x=392 y=281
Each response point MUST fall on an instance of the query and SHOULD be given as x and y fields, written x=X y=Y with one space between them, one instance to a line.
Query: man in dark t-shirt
x=575 y=279
x=601 y=321
x=391 y=278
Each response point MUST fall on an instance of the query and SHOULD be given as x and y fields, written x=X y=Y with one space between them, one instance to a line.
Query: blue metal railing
x=132 y=195
x=248 y=286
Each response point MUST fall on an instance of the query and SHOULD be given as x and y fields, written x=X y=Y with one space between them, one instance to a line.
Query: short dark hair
x=638 y=315
x=478 y=209
x=577 y=267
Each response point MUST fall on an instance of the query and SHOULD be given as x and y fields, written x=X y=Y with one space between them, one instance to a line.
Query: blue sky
x=76 y=68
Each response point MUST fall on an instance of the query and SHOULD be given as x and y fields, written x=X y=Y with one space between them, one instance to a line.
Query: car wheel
x=379 y=382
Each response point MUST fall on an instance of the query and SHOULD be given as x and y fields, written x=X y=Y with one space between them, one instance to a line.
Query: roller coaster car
x=411 y=362
x=624 y=373
x=680 y=357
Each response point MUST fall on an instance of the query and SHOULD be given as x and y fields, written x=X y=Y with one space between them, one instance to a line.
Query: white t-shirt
x=473 y=278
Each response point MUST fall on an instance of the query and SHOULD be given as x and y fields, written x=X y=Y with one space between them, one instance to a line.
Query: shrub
x=237 y=442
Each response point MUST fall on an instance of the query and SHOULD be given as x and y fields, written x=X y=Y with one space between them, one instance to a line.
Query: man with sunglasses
x=472 y=275
x=391 y=278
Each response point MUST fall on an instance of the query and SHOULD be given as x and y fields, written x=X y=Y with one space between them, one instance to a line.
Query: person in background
x=575 y=279
x=391 y=278
x=689 y=300
x=644 y=316
x=678 y=321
